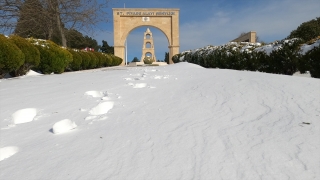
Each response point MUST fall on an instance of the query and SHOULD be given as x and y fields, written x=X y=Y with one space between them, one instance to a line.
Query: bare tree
x=82 y=15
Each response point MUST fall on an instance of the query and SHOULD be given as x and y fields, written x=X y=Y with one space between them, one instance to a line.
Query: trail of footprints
x=96 y=113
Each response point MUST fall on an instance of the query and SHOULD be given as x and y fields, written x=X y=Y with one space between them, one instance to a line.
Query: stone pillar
x=119 y=51
x=173 y=50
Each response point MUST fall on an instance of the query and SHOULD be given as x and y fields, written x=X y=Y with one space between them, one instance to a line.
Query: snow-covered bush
x=11 y=57
x=285 y=56
x=313 y=59
x=310 y=59
x=32 y=55
x=281 y=57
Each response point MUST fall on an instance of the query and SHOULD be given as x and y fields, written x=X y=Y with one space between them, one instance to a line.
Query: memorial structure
x=148 y=47
x=127 y=19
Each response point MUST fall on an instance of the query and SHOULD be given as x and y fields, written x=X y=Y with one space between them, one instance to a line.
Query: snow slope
x=171 y=122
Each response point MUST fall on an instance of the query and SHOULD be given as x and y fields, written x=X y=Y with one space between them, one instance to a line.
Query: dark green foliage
x=32 y=55
x=116 y=61
x=105 y=48
x=101 y=59
x=108 y=59
x=166 y=57
x=75 y=65
x=135 y=59
x=94 y=60
x=86 y=58
x=242 y=56
x=312 y=59
x=105 y=59
x=11 y=57
x=76 y=40
x=284 y=60
x=53 y=58
x=148 y=60
x=176 y=58
x=307 y=30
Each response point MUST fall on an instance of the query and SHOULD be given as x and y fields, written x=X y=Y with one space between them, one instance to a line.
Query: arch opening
x=148 y=45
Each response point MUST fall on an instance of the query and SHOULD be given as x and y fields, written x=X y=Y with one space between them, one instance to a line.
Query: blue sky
x=215 y=22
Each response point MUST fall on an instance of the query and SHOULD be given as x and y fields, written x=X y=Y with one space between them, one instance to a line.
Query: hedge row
x=282 y=57
x=19 y=55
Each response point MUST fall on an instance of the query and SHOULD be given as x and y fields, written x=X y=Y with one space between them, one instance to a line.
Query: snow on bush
x=308 y=47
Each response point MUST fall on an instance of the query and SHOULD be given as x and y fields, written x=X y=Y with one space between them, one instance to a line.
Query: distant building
x=148 y=47
x=248 y=37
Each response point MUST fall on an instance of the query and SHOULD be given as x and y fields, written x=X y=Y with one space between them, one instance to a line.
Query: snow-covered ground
x=180 y=121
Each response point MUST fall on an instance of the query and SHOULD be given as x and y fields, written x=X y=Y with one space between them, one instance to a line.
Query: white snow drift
x=196 y=124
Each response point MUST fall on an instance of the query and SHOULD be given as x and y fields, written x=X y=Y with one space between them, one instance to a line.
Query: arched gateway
x=126 y=19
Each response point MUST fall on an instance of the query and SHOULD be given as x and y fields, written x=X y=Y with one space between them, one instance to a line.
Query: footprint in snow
x=63 y=126
x=138 y=85
x=101 y=108
x=133 y=79
x=24 y=115
x=7 y=152
x=96 y=93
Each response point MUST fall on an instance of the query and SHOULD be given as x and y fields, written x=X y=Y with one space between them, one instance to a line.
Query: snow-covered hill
x=175 y=122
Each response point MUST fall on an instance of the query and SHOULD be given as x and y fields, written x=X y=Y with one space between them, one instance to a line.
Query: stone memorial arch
x=127 y=19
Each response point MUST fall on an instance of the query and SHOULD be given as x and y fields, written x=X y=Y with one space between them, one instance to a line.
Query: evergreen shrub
x=11 y=57
x=147 y=61
x=86 y=58
x=32 y=55
x=53 y=58
x=116 y=61
x=108 y=59
x=101 y=59
x=312 y=58
x=75 y=65
x=94 y=60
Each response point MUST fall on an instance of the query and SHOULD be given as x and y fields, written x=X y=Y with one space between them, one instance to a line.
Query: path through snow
x=196 y=124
